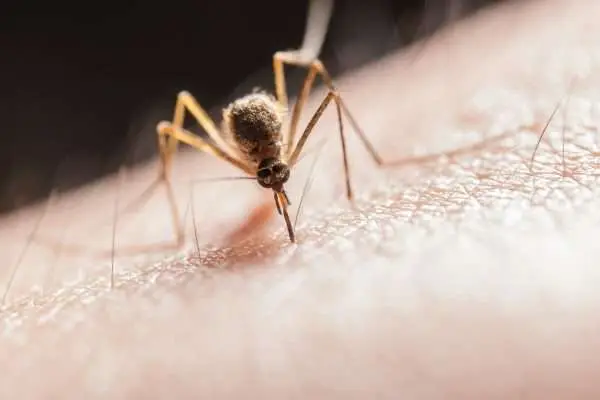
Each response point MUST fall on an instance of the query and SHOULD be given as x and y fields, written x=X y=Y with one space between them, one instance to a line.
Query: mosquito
x=252 y=135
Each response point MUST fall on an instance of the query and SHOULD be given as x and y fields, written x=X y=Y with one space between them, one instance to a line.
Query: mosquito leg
x=187 y=102
x=309 y=129
x=193 y=211
x=317 y=66
x=167 y=130
x=168 y=144
x=346 y=111
x=279 y=59
x=317 y=23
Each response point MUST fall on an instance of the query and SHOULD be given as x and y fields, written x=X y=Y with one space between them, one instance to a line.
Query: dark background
x=83 y=85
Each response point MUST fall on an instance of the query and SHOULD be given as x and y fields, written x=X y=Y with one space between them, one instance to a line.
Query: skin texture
x=472 y=275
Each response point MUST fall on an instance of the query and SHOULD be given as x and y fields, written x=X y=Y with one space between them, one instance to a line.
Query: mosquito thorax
x=272 y=173
x=254 y=123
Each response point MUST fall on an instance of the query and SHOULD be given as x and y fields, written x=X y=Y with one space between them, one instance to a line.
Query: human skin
x=470 y=276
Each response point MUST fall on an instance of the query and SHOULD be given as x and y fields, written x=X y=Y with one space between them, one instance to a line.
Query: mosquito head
x=272 y=174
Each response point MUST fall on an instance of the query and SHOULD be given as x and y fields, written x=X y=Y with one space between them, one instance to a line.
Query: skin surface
x=468 y=276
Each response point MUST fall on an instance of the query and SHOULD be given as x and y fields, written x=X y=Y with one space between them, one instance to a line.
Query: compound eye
x=264 y=173
x=277 y=169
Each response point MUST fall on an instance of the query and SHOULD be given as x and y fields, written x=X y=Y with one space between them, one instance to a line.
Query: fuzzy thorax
x=254 y=124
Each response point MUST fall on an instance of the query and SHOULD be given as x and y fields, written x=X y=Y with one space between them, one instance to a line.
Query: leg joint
x=184 y=94
x=162 y=127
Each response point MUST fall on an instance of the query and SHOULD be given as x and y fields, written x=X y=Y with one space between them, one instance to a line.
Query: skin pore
x=469 y=276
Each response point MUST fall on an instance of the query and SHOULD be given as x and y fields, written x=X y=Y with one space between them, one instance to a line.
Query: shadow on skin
x=457 y=276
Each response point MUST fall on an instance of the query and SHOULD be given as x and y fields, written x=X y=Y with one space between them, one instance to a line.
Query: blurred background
x=82 y=85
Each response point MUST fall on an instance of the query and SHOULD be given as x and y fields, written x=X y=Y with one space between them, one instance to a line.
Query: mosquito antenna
x=309 y=181
x=30 y=237
x=317 y=22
